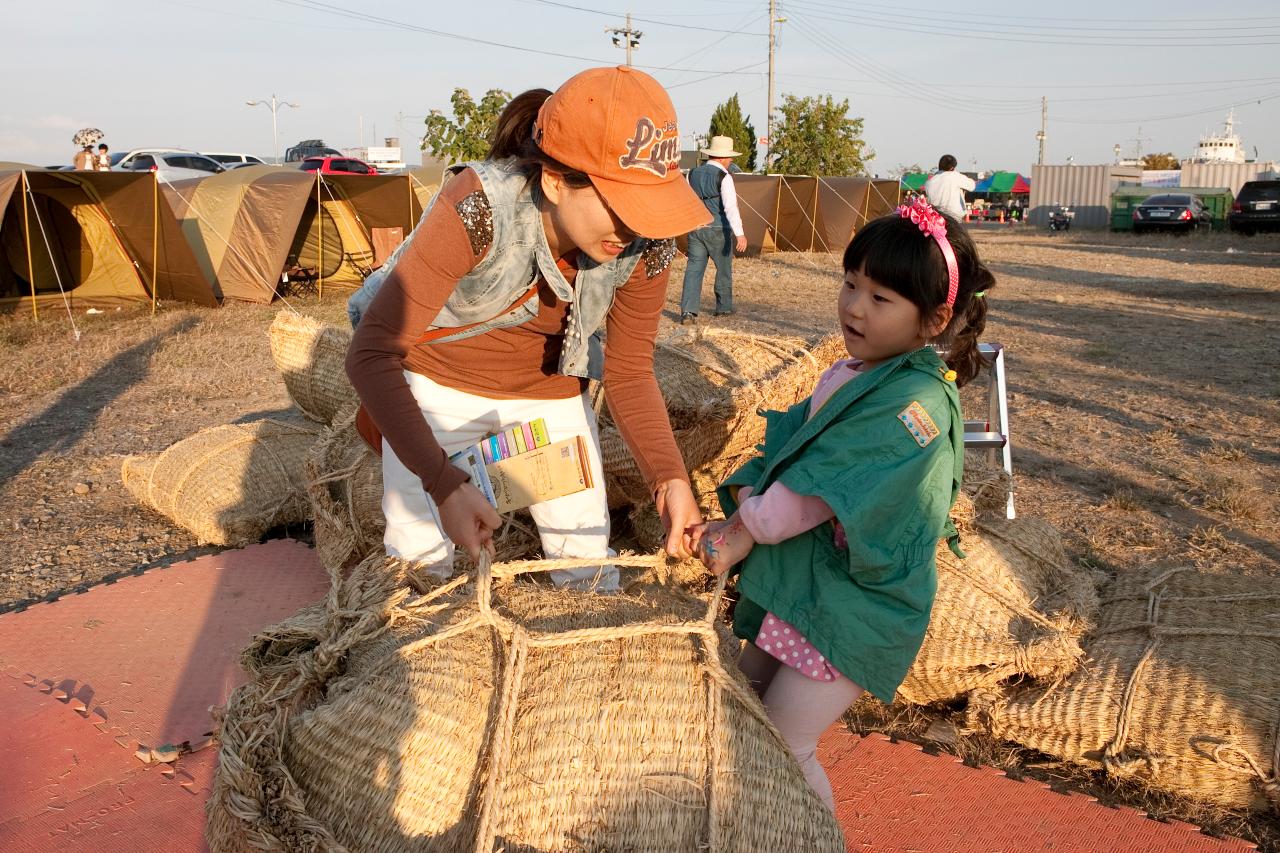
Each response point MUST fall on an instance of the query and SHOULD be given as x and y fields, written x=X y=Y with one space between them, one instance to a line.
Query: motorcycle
x=1060 y=218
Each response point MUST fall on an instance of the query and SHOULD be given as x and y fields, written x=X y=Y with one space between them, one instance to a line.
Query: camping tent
x=240 y=225
x=800 y=213
x=1003 y=182
x=93 y=238
x=251 y=225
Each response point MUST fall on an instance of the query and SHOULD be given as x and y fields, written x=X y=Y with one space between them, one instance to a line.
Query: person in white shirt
x=945 y=189
x=714 y=185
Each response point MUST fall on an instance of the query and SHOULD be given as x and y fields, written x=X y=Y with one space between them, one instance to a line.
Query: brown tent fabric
x=240 y=225
x=800 y=213
x=95 y=238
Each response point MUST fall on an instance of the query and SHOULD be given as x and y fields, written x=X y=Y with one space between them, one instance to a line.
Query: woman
x=490 y=318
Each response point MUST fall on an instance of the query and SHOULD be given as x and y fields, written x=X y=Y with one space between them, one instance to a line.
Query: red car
x=337 y=166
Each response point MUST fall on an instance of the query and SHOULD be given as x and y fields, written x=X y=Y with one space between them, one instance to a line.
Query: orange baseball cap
x=617 y=125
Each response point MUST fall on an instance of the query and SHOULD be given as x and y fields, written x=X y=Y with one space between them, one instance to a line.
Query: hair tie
x=979 y=294
x=932 y=224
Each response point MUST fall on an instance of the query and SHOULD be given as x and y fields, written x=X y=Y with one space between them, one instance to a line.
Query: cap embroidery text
x=652 y=149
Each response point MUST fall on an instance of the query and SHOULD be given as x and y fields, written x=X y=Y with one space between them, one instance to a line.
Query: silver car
x=234 y=161
x=169 y=164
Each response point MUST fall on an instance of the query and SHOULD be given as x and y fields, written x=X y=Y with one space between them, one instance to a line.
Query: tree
x=902 y=169
x=466 y=136
x=815 y=136
x=1160 y=161
x=727 y=120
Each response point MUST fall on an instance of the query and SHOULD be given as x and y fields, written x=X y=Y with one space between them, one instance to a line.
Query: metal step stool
x=992 y=435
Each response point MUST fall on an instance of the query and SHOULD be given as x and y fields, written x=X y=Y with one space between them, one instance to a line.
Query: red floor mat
x=87 y=677
x=894 y=797
x=151 y=653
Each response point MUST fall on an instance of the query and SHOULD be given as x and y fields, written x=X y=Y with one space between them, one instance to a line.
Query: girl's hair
x=895 y=253
x=513 y=139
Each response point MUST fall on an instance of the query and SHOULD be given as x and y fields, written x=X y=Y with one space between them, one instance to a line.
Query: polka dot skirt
x=781 y=641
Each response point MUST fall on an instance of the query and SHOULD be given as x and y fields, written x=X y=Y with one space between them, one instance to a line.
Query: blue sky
x=966 y=81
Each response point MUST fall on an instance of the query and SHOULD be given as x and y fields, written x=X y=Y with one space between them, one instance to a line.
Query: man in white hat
x=714 y=185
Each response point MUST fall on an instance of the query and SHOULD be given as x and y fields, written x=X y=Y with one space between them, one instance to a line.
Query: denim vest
x=518 y=254
x=706 y=181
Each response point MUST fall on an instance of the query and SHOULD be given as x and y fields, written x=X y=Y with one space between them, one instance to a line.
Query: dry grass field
x=1145 y=407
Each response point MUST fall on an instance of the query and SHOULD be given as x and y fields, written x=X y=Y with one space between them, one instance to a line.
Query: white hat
x=721 y=146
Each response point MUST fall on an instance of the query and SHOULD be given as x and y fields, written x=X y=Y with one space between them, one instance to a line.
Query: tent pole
x=866 y=199
x=814 y=221
x=777 y=211
x=155 y=236
x=408 y=182
x=320 y=228
x=26 y=233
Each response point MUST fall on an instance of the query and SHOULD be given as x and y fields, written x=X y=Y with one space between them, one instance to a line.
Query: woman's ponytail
x=514 y=127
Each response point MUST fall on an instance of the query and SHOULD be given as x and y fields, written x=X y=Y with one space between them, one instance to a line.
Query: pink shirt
x=781 y=513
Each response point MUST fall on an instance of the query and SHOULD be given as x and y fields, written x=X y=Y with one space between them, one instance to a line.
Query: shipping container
x=1086 y=189
x=1229 y=175
x=1217 y=200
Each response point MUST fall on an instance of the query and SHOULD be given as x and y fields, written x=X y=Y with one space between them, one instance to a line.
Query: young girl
x=836 y=523
x=490 y=316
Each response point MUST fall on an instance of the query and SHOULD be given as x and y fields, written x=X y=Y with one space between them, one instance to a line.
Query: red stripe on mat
x=142 y=660
x=894 y=797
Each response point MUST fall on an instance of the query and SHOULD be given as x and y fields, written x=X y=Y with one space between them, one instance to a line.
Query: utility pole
x=768 y=121
x=627 y=37
x=1043 y=135
x=274 y=105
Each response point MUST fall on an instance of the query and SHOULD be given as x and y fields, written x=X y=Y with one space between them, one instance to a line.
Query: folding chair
x=980 y=435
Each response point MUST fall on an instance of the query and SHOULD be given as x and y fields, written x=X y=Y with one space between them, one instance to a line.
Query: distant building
x=385 y=158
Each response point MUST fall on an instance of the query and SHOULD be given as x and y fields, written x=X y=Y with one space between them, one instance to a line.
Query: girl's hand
x=469 y=520
x=723 y=544
x=680 y=516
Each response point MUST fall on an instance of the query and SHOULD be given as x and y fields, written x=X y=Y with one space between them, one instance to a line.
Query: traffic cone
x=1001 y=216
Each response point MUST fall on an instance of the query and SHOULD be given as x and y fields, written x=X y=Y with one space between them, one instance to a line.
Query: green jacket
x=886 y=452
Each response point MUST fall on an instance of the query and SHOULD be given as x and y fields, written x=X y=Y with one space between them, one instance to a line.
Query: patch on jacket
x=477 y=218
x=657 y=256
x=919 y=424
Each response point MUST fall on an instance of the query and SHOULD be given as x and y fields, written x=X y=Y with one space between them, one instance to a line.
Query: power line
x=340 y=11
x=1247 y=22
x=907 y=86
x=992 y=33
x=640 y=20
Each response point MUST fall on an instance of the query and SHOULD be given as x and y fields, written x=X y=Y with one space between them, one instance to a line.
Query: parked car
x=1172 y=212
x=169 y=164
x=337 y=166
x=234 y=161
x=309 y=148
x=1256 y=208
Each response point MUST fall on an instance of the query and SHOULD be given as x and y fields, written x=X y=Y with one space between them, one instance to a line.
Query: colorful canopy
x=914 y=182
x=1003 y=182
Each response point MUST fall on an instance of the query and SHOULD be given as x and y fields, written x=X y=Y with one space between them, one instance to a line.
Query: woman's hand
x=723 y=544
x=469 y=520
x=680 y=516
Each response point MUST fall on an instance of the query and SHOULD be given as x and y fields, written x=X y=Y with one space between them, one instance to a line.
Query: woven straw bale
x=1181 y=689
x=1014 y=606
x=344 y=484
x=481 y=716
x=229 y=484
x=309 y=355
x=714 y=381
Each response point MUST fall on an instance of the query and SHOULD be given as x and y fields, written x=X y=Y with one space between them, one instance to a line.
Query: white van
x=234 y=161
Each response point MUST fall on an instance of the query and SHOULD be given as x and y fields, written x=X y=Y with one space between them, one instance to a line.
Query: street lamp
x=274 y=105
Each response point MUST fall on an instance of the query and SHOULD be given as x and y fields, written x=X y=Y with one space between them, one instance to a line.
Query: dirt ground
x=1144 y=399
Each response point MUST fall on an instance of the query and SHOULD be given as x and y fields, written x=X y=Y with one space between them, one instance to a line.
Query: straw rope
x=227 y=484
x=256 y=796
x=1172 y=696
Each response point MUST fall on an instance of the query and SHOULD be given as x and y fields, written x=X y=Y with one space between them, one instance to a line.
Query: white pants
x=575 y=525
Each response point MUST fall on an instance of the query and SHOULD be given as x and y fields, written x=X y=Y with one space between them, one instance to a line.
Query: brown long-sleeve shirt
x=517 y=362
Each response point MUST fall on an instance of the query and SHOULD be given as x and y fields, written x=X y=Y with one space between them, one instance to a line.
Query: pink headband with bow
x=933 y=225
